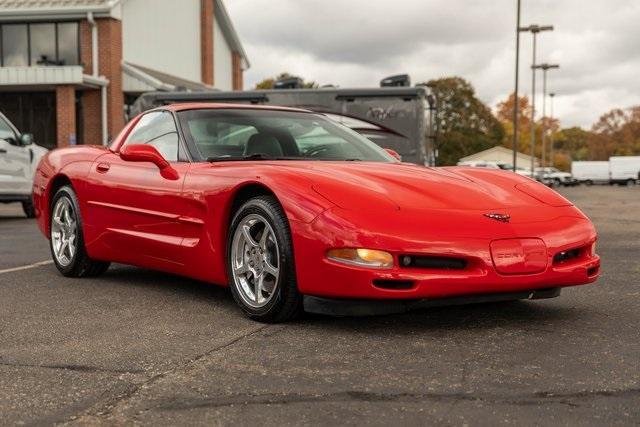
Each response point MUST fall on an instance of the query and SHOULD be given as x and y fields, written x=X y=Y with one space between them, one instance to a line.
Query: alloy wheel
x=64 y=231
x=255 y=261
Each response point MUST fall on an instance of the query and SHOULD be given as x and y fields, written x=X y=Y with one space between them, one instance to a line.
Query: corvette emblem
x=498 y=217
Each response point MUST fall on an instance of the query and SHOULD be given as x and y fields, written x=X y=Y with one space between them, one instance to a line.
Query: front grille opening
x=433 y=262
x=565 y=256
x=393 y=284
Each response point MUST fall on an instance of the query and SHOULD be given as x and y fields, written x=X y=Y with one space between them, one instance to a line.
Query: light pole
x=544 y=67
x=552 y=95
x=534 y=29
x=514 y=144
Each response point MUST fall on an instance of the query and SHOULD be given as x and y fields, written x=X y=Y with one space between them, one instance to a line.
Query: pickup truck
x=19 y=157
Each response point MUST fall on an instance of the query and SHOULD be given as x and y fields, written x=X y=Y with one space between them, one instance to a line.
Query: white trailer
x=624 y=169
x=590 y=172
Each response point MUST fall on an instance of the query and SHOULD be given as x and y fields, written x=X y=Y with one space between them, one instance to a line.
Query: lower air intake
x=433 y=262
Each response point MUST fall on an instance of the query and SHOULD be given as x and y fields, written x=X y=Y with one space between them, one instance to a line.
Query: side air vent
x=432 y=262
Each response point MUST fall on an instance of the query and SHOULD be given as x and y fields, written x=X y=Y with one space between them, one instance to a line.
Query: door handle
x=3 y=150
x=103 y=167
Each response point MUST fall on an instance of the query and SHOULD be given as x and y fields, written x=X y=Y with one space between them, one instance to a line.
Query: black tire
x=631 y=182
x=29 y=209
x=80 y=265
x=286 y=304
x=589 y=183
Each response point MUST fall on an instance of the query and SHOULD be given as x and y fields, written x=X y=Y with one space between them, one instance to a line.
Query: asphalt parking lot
x=135 y=346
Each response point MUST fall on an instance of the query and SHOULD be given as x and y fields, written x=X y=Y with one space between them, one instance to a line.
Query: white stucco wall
x=163 y=35
x=222 y=60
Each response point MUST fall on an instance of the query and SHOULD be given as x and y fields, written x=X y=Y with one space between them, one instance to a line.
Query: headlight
x=593 y=249
x=362 y=257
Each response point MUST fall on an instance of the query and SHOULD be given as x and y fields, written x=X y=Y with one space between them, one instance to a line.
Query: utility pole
x=553 y=159
x=514 y=144
x=544 y=67
x=534 y=30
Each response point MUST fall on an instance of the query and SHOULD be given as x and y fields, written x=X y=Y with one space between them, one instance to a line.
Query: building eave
x=229 y=31
x=49 y=13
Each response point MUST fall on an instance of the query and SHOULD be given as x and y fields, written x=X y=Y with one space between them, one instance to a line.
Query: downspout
x=95 y=65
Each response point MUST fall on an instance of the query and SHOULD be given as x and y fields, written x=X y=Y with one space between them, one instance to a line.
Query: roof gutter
x=95 y=69
x=57 y=12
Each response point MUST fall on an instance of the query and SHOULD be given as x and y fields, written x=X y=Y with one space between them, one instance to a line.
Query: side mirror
x=26 y=139
x=148 y=153
x=393 y=154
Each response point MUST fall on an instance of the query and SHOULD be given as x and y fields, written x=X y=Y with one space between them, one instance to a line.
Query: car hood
x=365 y=185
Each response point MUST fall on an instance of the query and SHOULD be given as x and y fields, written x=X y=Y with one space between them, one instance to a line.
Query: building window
x=39 y=44
x=68 y=46
x=15 y=46
x=43 y=44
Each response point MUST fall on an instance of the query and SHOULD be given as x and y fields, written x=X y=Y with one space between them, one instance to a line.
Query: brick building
x=69 y=68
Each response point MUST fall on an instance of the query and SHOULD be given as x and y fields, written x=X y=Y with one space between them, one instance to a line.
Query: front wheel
x=260 y=265
x=66 y=240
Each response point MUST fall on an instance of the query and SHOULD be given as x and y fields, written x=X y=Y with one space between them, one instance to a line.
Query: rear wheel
x=66 y=240
x=260 y=265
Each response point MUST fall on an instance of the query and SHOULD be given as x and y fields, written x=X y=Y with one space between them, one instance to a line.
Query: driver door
x=133 y=213
x=15 y=162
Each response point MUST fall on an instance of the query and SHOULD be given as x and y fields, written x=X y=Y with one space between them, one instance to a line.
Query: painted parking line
x=26 y=267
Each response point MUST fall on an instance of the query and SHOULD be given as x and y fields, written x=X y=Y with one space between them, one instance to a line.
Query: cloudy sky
x=355 y=43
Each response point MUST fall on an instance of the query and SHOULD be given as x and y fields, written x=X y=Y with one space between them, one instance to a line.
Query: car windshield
x=238 y=134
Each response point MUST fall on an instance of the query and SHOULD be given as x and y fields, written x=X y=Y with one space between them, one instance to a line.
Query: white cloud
x=358 y=42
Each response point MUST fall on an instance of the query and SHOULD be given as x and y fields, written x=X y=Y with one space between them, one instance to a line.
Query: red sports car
x=294 y=211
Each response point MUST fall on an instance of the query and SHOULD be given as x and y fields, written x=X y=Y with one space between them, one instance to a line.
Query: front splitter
x=350 y=307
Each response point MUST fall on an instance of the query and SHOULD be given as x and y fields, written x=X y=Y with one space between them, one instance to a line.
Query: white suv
x=18 y=160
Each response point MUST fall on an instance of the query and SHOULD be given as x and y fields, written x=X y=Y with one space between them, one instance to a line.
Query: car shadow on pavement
x=529 y=315
x=525 y=315
x=4 y=218
x=152 y=279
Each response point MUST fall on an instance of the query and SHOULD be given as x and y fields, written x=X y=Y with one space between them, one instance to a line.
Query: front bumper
x=317 y=276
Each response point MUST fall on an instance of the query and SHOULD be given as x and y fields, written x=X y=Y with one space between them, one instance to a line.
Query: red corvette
x=293 y=211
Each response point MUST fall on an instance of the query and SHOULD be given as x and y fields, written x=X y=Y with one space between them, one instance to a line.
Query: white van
x=624 y=169
x=19 y=157
x=591 y=172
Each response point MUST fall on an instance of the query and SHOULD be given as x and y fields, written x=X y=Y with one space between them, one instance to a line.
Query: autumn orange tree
x=618 y=133
x=504 y=113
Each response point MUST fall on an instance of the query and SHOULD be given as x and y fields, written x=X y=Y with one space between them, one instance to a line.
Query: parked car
x=554 y=177
x=625 y=170
x=590 y=172
x=18 y=159
x=300 y=212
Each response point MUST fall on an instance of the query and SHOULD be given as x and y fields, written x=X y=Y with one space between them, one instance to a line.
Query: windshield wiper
x=256 y=156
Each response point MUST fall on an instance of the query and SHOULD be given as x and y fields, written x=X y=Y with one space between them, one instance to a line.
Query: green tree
x=576 y=142
x=465 y=124
x=270 y=81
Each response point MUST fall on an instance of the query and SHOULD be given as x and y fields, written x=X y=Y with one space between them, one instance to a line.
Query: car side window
x=159 y=130
x=6 y=131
